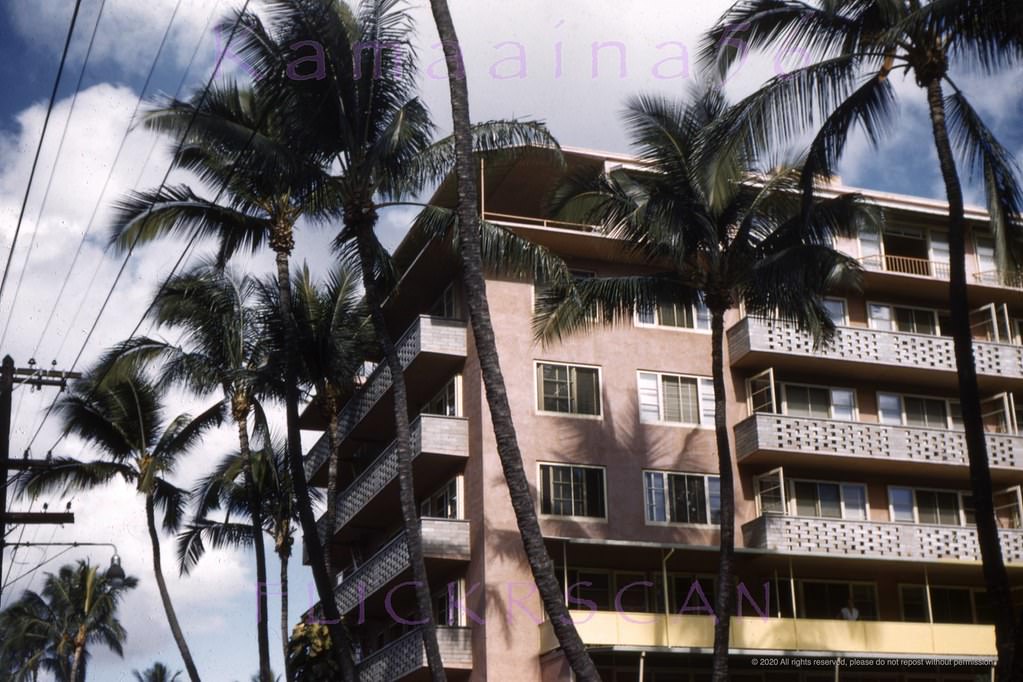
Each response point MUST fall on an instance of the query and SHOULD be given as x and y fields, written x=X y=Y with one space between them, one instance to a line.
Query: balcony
x=406 y=655
x=440 y=445
x=787 y=635
x=905 y=265
x=444 y=540
x=869 y=353
x=873 y=539
x=779 y=439
x=434 y=344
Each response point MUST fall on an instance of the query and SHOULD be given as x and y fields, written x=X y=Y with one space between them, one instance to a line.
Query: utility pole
x=9 y=376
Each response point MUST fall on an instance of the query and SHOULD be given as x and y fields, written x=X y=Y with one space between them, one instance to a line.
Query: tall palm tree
x=120 y=414
x=220 y=352
x=852 y=49
x=363 y=117
x=493 y=380
x=717 y=232
x=158 y=672
x=227 y=488
x=237 y=140
x=54 y=629
x=332 y=339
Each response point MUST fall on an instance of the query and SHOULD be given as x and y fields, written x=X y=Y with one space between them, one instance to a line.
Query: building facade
x=856 y=556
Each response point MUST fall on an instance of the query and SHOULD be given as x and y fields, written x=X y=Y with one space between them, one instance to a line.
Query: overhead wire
x=39 y=147
x=53 y=172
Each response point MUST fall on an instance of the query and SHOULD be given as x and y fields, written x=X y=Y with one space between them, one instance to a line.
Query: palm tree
x=120 y=413
x=235 y=139
x=483 y=333
x=332 y=339
x=222 y=352
x=54 y=629
x=157 y=672
x=852 y=48
x=227 y=488
x=717 y=232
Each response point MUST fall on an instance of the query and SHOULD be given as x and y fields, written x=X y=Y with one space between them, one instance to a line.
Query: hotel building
x=852 y=487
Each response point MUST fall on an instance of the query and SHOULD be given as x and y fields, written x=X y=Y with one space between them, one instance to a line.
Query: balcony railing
x=874 y=539
x=442 y=539
x=430 y=433
x=993 y=278
x=824 y=437
x=906 y=265
x=614 y=629
x=426 y=335
x=407 y=655
x=876 y=347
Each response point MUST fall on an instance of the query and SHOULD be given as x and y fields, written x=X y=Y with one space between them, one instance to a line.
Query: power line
x=53 y=172
x=106 y=182
x=163 y=182
x=39 y=147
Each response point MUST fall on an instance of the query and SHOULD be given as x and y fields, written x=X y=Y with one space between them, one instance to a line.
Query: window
x=445 y=305
x=443 y=504
x=572 y=491
x=568 y=389
x=682 y=498
x=948 y=604
x=675 y=399
x=830 y=500
x=933 y=413
x=940 y=507
x=445 y=403
x=903 y=319
x=827 y=599
x=835 y=308
x=681 y=316
x=819 y=402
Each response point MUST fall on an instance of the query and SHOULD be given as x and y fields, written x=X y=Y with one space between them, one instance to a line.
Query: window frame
x=801 y=601
x=656 y=324
x=916 y=507
x=538 y=397
x=949 y=422
x=665 y=491
x=845 y=308
x=784 y=402
x=791 y=500
x=660 y=400
x=973 y=601
x=936 y=313
x=456 y=383
x=441 y=491
x=569 y=517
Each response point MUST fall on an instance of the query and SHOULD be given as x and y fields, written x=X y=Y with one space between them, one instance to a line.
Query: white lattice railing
x=872 y=346
x=442 y=538
x=426 y=335
x=854 y=439
x=430 y=433
x=874 y=539
x=406 y=655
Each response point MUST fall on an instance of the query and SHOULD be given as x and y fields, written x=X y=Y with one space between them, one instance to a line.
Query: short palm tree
x=221 y=352
x=852 y=48
x=120 y=412
x=716 y=232
x=332 y=338
x=226 y=488
x=76 y=610
x=235 y=139
x=157 y=672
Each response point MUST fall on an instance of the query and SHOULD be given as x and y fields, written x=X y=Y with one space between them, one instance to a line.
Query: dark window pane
x=594 y=492
x=914 y=603
x=697 y=499
x=831 y=502
x=545 y=490
x=806 y=498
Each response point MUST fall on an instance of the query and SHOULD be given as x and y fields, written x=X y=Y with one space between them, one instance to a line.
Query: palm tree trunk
x=726 y=569
x=256 y=517
x=403 y=443
x=340 y=641
x=285 y=631
x=486 y=347
x=330 y=518
x=995 y=576
x=77 y=674
x=161 y=584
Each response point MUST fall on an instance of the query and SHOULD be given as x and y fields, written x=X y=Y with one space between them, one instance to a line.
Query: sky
x=531 y=59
